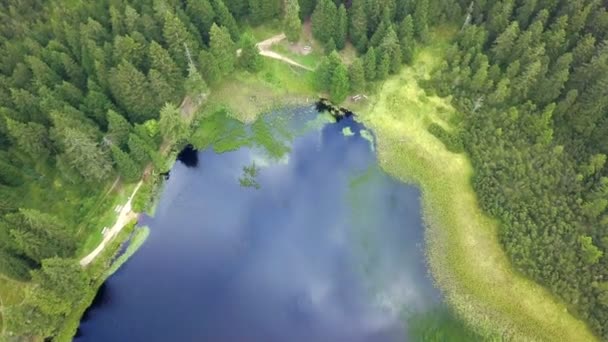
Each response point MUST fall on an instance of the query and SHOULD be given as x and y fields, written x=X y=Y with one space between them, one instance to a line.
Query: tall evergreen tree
x=341 y=27
x=356 y=75
x=195 y=85
x=177 y=36
x=118 y=128
x=324 y=20
x=306 y=8
x=132 y=91
x=383 y=65
x=85 y=155
x=127 y=169
x=358 y=25
x=209 y=67
x=225 y=19
x=338 y=89
x=406 y=39
x=421 y=24
x=369 y=64
x=202 y=15
x=223 y=49
x=250 y=58
x=172 y=125
x=31 y=138
x=291 y=21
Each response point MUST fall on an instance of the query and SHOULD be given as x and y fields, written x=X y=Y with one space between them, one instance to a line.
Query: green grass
x=245 y=96
x=104 y=217
x=465 y=256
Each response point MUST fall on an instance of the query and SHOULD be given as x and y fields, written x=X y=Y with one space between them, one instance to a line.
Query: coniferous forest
x=90 y=94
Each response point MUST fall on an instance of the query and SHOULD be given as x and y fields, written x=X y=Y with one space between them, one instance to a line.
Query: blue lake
x=317 y=245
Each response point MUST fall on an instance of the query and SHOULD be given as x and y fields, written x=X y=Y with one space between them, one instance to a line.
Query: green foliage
x=143 y=197
x=250 y=58
x=452 y=142
x=139 y=236
x=126 y=167
x=195 y=85
x=356 y=76
x=339 y=86
x=341 y=27
x=369 y=64
x=223 y=49
x=131 y=90
x=406 y=39
x=31 y=138
x=324 y=21
x=59 y=284
x=172 y=125
x=84 y=155
x=177 y=37
x=118 y=128
x=531 y=84
x=358 y=25
x=291 y=21
x=591 y=254
x=209 y=67
x=225 y=19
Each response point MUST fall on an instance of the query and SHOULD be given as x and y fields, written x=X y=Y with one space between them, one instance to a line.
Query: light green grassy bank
x=464 y=253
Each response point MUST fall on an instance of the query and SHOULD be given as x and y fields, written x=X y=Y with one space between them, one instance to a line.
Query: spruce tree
x=338 y=89
x=223 y=49
x=202 y=14
x=172 y=125
x=369 y=64
x=291 y=21
x=406 y=39
x=330 y=46
x=177 y=36
x=356 y=75
x=127 y=169
x=383 y=64
x=306 y=8
x=161 y=60
x=118 y=128
x=225 y=19
x=85 y=155
x=421 y=25
x=324 y=21
x=195 y=85
x=132 y=92
x=341 y=27
x=358 y=25
x=31 y=138
x=250 y=58
x=209 y=67
x=138 y=149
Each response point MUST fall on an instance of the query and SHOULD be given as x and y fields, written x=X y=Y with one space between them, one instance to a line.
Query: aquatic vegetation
x=347 y=132
x=138 y=237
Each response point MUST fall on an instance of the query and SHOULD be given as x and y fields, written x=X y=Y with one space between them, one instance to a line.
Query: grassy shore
x=464 y=253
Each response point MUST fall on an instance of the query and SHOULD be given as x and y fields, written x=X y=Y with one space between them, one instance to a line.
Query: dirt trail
x=124 y=217
x=265 y=45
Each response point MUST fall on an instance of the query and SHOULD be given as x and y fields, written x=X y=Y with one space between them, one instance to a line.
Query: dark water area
x=326 y=248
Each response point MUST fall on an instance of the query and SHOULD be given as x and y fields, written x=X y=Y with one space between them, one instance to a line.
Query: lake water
x=317 y=244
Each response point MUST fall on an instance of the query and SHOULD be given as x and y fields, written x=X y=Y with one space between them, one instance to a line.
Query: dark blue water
x=328 y=248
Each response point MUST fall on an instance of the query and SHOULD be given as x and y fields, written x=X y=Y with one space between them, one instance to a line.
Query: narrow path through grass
x=465 y=256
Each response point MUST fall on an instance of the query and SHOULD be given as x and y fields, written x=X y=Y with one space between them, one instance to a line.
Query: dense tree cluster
x=531 y=78
x=385 y=33
x=81 y=92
